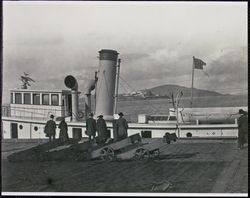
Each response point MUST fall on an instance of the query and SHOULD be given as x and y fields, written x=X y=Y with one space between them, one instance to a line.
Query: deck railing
x=6 y=111
x=29 y=113
x=22 y=112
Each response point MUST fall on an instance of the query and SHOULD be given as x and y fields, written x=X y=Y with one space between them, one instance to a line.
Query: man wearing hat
x=63 y=135
x=242 y=129
x=101 y=128
x=50 y=128
x=122 y=127
x=91 y=126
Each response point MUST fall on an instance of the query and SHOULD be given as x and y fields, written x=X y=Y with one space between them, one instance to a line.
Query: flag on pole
x=198 y=63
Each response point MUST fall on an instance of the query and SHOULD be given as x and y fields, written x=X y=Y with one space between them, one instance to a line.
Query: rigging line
x=123 y=86
x=125 y=89
x=128 y=84
x=153 y=107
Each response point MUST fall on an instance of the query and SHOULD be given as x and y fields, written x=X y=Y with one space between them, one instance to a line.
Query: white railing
x=6 y=111
x=22 y=112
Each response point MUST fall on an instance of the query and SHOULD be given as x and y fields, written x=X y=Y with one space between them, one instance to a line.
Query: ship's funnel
x=105 y=87
x=71 y=83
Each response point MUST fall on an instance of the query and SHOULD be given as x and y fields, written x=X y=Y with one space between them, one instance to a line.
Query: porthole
x=35 y=128
x=189 y=134
x=20 y=126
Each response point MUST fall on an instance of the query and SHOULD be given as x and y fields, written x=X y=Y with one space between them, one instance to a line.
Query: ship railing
x=134 y=118
x=22 y=112
x=5 y=111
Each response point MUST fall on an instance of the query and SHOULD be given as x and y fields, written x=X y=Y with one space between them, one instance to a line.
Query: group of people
x=50 y=129
x=92 y=126
x=100 y=126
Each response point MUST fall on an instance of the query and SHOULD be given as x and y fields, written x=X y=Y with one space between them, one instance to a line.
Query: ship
x=29 y=109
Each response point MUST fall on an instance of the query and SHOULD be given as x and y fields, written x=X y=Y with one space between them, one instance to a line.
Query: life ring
x=80 y=114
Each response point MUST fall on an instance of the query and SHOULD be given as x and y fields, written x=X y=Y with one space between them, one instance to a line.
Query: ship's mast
x=192 y=86
x=117 y=85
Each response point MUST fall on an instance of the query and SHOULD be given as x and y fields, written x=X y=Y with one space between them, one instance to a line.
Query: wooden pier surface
x=185 y=166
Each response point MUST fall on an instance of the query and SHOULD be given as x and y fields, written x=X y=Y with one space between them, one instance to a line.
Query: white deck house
x=39 y=104
x=30 y=109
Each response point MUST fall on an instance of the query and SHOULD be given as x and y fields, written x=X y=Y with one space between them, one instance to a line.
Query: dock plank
x=200 y=167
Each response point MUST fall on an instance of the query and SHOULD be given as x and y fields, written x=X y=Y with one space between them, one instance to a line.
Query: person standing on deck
x=101 y=128
x=63 y=135
x=50 y=128
x=91 y=126
x=122 y=127
x=242 y=129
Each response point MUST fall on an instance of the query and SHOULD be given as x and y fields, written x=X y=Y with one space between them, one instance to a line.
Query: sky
x=155 y=41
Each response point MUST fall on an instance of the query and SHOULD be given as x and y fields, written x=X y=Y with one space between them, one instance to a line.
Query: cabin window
x=45 y=99
x=172 y=118
x=27 y=99
x=18 y=98
x=54 y=99
x=11 y=98
x=63 y=100
x=36 y=99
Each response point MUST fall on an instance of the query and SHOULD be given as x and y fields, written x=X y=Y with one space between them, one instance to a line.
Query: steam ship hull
x=20 y=128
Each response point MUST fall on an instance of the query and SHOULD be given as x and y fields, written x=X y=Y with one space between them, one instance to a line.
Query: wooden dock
x=185 y=166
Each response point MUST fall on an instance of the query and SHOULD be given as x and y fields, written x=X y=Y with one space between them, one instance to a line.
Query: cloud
x=130 y=57
x=227 y=70
x=35 y=40
x=155 y=42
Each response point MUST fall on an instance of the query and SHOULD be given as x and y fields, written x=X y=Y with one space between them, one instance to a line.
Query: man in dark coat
x=242 y=129
x=50 y=128
x=122 y=127
x=63 y=135
x=101 y=128
x=91 y=127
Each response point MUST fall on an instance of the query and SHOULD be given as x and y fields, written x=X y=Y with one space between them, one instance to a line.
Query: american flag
x=198 y=63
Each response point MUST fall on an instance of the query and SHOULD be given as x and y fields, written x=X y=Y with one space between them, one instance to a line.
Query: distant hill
x=166 y=90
